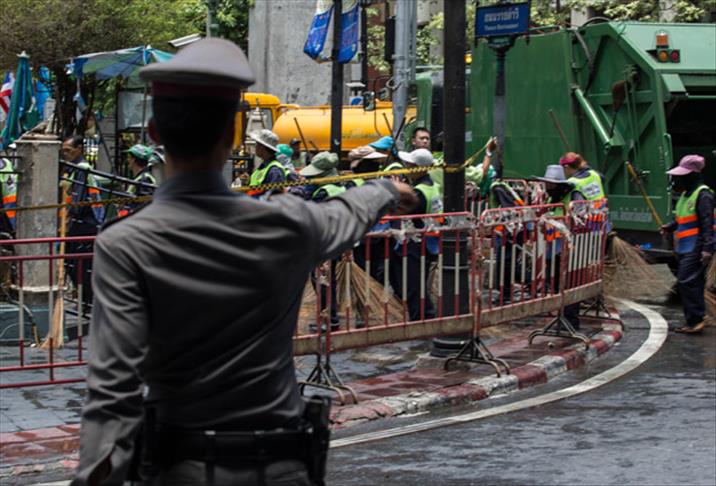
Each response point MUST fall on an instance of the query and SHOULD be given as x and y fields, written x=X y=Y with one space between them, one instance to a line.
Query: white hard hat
x=420 y=157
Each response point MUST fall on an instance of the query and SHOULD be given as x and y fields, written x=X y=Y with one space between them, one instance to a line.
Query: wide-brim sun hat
x=554 y=174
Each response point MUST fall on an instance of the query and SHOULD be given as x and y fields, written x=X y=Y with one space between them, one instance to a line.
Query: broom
x=57 y=331
x=362 y=293
x=628 y=274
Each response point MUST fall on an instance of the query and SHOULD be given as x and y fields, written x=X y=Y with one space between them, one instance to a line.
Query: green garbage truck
x=615 y=92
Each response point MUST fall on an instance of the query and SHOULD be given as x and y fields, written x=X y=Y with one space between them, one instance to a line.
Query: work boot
x=696 y=329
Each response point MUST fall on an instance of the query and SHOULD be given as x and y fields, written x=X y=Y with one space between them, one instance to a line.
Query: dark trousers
x=189 y=472
x=72 y=265
x=571 y=311
x=412 y=261
x=690 y=281
x=377 y=258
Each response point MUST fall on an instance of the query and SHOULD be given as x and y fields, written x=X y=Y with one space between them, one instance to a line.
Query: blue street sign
x=502 y=19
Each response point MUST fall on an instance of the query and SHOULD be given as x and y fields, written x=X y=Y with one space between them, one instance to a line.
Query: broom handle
x=63 y=233
x=646 y=197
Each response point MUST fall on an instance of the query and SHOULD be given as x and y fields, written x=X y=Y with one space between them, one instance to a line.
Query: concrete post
x=37 y=184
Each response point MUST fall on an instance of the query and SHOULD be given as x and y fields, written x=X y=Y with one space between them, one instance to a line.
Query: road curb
x=536 y=372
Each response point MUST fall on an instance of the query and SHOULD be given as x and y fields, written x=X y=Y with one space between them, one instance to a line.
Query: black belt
x=208 y=445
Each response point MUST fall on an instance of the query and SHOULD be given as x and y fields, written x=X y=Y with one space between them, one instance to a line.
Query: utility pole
x=336 y=80
x=406 y=17
x=212 y=28
x=454 y=149
x=364 y=43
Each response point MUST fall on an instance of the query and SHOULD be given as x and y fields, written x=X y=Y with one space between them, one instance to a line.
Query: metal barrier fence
x=412 y=277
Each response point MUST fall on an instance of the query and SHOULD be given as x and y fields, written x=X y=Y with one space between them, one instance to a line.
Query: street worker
x=186 y=343
x=421 y=139
x=283 y=155
x=324 y=164
x=429 y=202
x=502 y=195
x=479 y=178
x=560 y=191
x=366 y=159
x=156 y=164
x=267 y=170
x=300 y=157
x=84 y=220
x=8 y=192
x=386 y=145
x=693 y=229
x=138 y=157
x=363 y=160
x=586 y=180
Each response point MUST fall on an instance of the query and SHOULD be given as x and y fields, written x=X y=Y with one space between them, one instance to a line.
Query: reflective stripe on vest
x=687 y=231
x=332 y=190
x=258 y=176
x=591 y=186
x=493 y=200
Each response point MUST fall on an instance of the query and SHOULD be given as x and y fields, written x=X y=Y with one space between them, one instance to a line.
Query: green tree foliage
x=545 y=12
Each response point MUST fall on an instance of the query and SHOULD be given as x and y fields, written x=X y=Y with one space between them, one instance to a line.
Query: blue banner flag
x=349 y=32
x=319 y=29
x=315 y=46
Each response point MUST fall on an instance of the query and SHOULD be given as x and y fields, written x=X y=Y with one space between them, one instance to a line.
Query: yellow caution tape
x=121 y=201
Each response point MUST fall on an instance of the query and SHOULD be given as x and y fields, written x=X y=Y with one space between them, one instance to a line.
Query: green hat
x=284 y=149
x=141 y=152
x=324 y=163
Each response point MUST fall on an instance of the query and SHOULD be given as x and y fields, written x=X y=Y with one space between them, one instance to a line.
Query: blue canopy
x=123 y=63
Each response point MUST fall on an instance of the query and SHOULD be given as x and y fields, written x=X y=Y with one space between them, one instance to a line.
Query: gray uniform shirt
x=197 y=296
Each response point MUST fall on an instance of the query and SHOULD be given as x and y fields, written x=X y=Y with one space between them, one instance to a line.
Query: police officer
x=197 y=296
x=693 y=228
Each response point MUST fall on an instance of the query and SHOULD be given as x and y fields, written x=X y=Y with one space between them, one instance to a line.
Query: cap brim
x=405 y=157
x=374 y=155
x=679 y=171
x=547 y=179
x=311 y=171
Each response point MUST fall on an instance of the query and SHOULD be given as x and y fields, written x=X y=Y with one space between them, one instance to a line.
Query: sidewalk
x=47 y=452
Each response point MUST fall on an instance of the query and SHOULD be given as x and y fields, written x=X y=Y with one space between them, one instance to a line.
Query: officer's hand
x=665 y=229
x=407 y=200
x=706 y=258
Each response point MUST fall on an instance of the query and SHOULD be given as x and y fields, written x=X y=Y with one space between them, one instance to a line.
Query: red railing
x=414 y=277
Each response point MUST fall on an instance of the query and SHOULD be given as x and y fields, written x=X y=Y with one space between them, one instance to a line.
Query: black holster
x=317 y=415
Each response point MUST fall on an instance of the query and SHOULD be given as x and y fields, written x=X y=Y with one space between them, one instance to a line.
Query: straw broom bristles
x=628 y=274
x=56 y=335
x=711 y=276
x=364 y=291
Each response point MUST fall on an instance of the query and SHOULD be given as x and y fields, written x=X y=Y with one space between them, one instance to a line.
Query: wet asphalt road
x=654 y=426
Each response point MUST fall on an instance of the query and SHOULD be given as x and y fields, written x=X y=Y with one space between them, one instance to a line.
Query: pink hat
x=687 y=165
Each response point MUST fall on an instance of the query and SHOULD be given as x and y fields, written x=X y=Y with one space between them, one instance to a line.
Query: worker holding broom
x=693 y=230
